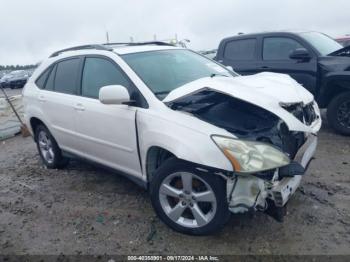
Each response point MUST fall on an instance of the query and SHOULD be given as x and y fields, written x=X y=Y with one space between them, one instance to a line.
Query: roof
x=243 y=35
x=122 y=50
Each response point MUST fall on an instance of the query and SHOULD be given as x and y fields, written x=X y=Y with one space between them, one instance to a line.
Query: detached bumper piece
x=251 y=193
x=291 y=175
x=293 y=169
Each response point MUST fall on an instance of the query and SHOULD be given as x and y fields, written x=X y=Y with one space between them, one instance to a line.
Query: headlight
x=250 y=156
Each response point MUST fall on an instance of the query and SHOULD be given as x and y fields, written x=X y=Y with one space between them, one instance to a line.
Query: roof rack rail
x=106 y=48
x=82 y=47
x=140 y=43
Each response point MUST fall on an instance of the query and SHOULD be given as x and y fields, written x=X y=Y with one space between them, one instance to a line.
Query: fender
x=185 y=143
x=34 y=112
x=29 y=103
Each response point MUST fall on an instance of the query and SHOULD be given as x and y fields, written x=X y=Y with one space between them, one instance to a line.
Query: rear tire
x=49 y=151
x=198 y=207
x=338 y=113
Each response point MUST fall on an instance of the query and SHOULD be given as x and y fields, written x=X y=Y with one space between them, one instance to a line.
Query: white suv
x=204 y=140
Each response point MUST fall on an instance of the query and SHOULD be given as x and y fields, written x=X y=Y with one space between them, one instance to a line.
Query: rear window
x=240 y=49
x=67 y=76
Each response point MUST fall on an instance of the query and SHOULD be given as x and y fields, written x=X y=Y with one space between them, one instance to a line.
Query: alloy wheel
x=46 y=147
x=187 y=199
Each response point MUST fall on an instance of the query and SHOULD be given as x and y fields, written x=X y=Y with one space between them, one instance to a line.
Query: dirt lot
x=87 y=210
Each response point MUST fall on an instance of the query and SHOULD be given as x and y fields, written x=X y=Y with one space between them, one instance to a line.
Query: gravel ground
x=87 y=210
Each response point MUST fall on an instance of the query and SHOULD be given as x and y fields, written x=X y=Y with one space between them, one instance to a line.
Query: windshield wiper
x=214 y=74
x=161 y=93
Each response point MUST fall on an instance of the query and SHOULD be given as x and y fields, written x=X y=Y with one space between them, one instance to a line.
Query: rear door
x=58 y=99
x=240 y=54
x=275 y=53
x=107 y=133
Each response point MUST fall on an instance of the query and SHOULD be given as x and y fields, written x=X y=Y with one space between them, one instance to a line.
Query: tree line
x=16 y=67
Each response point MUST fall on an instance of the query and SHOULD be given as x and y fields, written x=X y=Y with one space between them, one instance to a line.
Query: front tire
x=188 y=200
x=48 y=148
x=338 y=113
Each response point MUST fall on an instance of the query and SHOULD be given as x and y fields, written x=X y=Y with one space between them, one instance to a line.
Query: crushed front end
x=270 y=190
x=258 y=186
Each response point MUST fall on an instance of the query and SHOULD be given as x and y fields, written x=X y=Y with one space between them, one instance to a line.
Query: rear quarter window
x=50 y=80
x=240 y=49
x=41 y=81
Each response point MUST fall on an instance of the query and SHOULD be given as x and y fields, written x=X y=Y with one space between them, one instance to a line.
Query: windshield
x=165 y=70
x=321 y=42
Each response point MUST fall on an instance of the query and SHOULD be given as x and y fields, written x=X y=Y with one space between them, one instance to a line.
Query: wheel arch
x=335 y=84
x=34 y=123
x=155 y=157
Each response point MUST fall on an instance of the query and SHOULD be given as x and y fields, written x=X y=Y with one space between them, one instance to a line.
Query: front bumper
x=285 y=188
x=248 y=192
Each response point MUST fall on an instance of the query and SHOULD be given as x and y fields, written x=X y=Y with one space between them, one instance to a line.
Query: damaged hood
x=266 y=90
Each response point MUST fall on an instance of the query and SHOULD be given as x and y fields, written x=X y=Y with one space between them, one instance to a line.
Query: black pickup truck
x=313 y=59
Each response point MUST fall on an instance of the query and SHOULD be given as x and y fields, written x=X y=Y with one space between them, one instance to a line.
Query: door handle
x=265 y=67
x=79 y=107
x=42 y=98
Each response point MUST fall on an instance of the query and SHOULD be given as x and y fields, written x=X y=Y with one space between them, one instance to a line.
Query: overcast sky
x=32 y=29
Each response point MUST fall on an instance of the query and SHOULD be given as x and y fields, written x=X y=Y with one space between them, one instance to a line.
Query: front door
x=275 y=58
x=107 y=133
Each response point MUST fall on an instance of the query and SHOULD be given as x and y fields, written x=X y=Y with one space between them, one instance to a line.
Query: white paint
x=106 y=133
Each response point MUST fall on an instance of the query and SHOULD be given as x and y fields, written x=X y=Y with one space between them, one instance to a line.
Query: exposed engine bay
x=268 y=190
x=244 y=120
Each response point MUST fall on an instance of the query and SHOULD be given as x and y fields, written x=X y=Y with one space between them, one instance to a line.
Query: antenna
x=107 y=37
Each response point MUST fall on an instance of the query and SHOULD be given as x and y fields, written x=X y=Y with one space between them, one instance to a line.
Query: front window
x=165 y=70
x=321 y=42
x=99 y=72
x=279 y=48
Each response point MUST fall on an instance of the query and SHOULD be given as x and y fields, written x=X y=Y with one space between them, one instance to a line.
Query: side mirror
x=229 y=68
x=114 y=95
x=300 y=54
